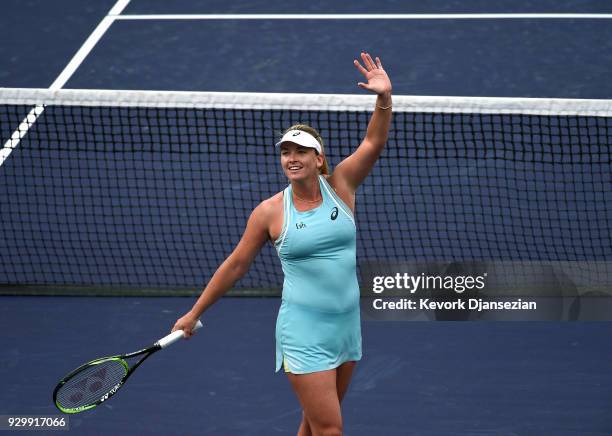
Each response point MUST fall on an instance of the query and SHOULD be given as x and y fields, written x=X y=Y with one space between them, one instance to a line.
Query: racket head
x=90 y=384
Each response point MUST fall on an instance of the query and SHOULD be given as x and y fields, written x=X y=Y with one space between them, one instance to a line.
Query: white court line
x=89 y=44
x=361 y=16
x=20 y=132
x=64 y=76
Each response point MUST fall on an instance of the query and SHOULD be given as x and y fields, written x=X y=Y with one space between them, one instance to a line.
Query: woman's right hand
x=186 y=323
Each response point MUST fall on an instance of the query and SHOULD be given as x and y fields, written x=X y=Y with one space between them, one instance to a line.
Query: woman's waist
x=341 y=297
x=291 y=303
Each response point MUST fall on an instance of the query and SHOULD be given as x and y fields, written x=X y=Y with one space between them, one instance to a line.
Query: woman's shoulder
x=269 y=213
x=334 y=182
x=275 y=200
x=342 y=190
x=270 y=206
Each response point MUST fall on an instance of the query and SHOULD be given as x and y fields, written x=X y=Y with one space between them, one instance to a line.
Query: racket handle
x=175 y=336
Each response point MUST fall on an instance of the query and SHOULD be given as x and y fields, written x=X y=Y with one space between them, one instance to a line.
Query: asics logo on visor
x=296 y=133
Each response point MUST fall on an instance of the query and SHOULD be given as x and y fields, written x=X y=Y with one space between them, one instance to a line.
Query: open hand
x=377 y=78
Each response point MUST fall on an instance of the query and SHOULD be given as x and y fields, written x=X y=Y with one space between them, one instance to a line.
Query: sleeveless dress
x=318 y=325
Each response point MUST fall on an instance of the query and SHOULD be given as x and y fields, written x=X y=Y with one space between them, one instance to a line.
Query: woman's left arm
x=354 y=169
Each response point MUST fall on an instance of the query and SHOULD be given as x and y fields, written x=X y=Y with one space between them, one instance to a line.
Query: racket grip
x=175 y=336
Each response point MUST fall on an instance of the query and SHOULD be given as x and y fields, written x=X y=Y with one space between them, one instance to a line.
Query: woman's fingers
x=360 y=68
x=372 y=70
x=371 y=61
x=367 y=61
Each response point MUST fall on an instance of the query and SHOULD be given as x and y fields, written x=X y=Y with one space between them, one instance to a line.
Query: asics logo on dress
x=300 y=225
x=334 y=213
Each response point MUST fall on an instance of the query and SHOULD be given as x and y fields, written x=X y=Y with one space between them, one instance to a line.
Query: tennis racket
x=95 y=382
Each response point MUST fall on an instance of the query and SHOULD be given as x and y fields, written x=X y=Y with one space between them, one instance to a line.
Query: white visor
x=302 y=138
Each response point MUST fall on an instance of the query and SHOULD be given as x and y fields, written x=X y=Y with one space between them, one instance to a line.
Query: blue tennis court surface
x=39 y=38
x=416 y=378
x=443 y=57
x=564 y=58
x=527 y=378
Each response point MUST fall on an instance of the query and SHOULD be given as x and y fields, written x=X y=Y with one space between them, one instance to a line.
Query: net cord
x=325 y=102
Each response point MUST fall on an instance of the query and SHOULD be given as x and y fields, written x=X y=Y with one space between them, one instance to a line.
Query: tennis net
x=150 y=191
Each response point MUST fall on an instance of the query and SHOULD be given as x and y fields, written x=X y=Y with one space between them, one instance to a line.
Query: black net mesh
x=155 y=197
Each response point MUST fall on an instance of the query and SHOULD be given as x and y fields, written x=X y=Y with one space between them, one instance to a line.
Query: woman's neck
x=307 y=191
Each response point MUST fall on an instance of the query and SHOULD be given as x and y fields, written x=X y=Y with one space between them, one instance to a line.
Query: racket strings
x=89 y=385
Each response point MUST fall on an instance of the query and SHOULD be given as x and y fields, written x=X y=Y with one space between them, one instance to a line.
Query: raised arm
x=232 y=269
x=354 y=169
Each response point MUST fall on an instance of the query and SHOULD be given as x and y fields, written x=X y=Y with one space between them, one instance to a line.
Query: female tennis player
x=311 y=224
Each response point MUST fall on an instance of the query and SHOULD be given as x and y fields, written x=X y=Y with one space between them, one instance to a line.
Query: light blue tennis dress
x=318 y=325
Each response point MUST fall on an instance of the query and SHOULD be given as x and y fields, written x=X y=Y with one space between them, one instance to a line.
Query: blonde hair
x=312 y=131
